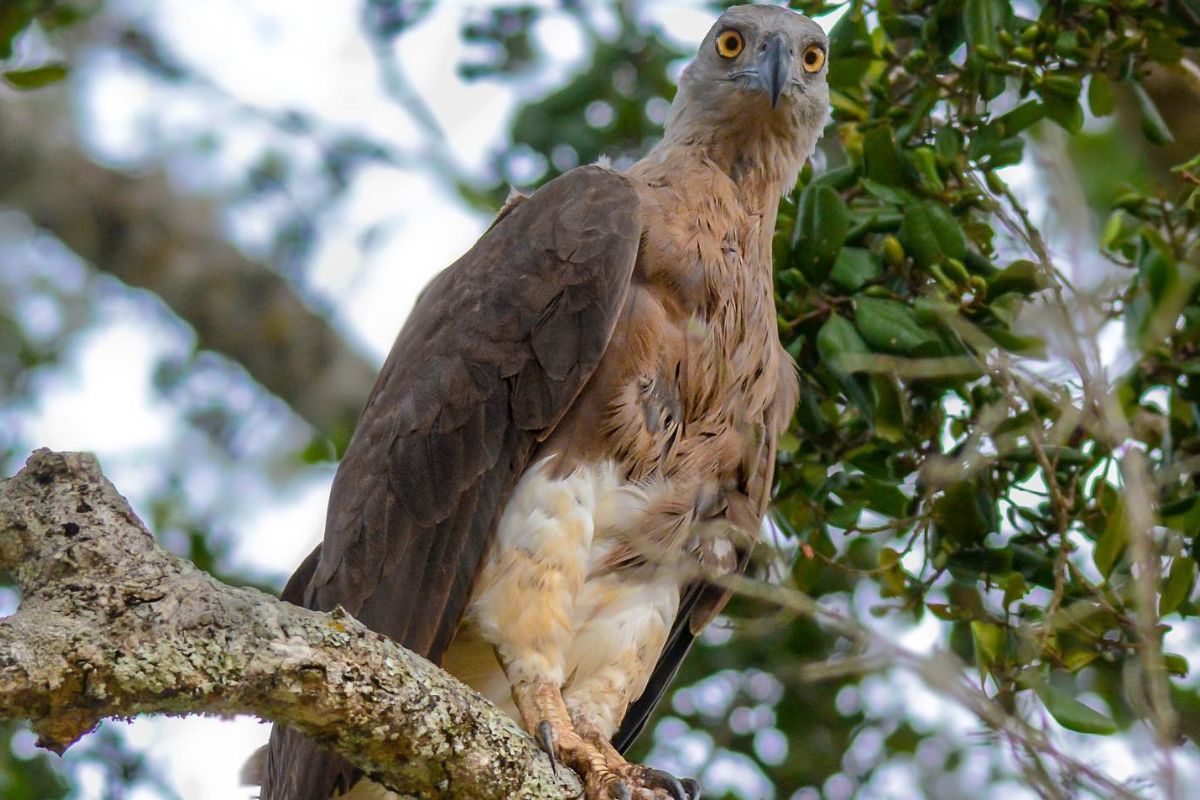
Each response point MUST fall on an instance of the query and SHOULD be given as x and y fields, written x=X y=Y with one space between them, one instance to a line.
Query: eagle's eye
x=729 y=44
x=814 y=58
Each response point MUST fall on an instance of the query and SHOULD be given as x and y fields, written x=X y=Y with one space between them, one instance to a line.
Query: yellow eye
x=729 y=44
x=814 y=58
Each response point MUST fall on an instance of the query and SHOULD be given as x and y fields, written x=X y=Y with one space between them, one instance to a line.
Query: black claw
x=621 y=791
x=692 y=788
x=545 y=740
x=657 y=779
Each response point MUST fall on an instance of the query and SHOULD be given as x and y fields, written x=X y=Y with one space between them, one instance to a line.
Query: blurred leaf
x=1112 y=541
x=982 y=21
x=990 y=641
x=1074 y=715
x=1020 y=118
x=850 y=51
x=1100 y=95
x=1153 y=125
x=881 y=157
x=1023 y=277
x=36 y=77
x=962 y=514
x=1178 y=585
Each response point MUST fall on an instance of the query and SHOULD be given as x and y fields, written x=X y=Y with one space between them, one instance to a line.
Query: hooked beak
x=773 y=68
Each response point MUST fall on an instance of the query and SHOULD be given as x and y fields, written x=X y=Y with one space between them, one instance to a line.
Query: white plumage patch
x=545 y=607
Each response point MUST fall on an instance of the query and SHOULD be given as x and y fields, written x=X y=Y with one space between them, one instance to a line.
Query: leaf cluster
x=985 y=470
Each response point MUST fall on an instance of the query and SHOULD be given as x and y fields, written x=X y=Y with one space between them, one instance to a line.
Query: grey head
x=758 y=67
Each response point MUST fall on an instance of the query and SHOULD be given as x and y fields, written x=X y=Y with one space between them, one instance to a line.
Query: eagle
x=576 y=428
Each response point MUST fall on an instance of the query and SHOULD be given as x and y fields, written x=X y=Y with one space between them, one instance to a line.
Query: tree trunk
x=140 y=230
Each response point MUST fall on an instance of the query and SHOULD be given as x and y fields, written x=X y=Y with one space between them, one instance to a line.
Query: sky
x=310 y=55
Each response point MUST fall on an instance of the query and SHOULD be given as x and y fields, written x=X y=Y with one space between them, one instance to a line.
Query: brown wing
x=494 y=353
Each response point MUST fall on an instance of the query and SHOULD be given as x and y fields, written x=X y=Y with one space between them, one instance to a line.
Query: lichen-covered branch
x=112 y=625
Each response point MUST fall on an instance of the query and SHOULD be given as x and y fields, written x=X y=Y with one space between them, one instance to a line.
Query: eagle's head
x=760 y=76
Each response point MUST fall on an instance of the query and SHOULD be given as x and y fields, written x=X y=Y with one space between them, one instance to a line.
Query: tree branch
x=140 y=230
x=110 y=624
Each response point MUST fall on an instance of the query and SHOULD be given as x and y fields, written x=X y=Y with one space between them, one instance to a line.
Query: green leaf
x=1015 y=588
x=1028 y=346
x=983 y=20
x=854 y=267
x=822 y=222
x=961 y=514
x=948 y=143
x=1112 y=541
x=1020 y=118
x=931 y=234
x=1057 y=84
x=845 y=516
x=944 y=611
x=35 y=78
x=891 y=579
x=850 y=51
x=837 y=339
x=892 y=409
x=1178 y=585
x=884 y=498
x=1176 y=664
x=1100 y=95
x=887 y=193
x=1118 y=230
x=889 y=326
x=990 y=642
x=925 y=163
x=1065 y=111
x=1153 y=125
x=882 y=158
x=1072 y=714
x=839 y=178
x=1023 y=277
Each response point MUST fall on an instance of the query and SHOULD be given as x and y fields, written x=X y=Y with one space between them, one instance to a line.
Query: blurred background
x=215 y=216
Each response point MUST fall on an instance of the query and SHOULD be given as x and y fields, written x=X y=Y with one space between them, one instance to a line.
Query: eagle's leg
x=585 y=749
x=543 y=711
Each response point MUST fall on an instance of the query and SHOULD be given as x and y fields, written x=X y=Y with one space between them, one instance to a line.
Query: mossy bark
x=112 y=625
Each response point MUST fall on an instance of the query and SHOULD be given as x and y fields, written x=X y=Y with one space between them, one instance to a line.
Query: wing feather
x=492 y=356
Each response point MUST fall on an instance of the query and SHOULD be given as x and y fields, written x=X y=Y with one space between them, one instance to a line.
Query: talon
x=657 y=779
x=545 y=740
x=621 y=791
x=692 y=787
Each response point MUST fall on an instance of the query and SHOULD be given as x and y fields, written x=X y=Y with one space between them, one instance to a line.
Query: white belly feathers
x=548 y=607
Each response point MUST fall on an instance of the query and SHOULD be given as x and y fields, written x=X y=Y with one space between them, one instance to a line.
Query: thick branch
x=139 y=229
x=111 y=624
